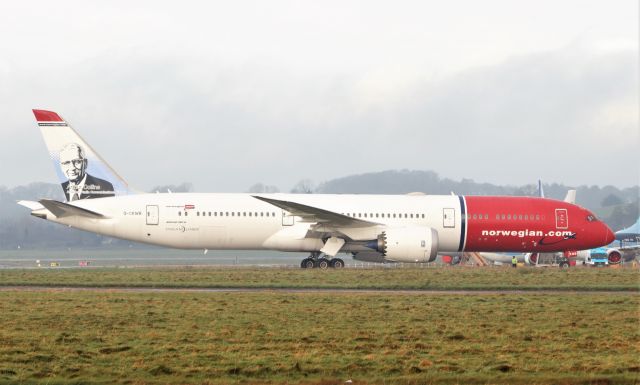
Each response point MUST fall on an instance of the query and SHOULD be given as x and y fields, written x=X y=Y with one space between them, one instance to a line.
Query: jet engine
x=614 y=256
x=408 y=244
x=531 y=258
x=369 y=257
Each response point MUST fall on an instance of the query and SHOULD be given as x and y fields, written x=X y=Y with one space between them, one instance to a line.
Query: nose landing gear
x=315 y=261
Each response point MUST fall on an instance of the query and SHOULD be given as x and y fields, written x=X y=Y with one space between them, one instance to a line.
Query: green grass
x=579 y=278
x=73 y=337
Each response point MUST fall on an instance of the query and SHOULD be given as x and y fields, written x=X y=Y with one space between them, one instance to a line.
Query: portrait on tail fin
x=80 y=184
x=81 y=171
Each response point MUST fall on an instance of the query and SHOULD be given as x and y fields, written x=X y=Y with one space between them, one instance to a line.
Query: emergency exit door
x=152 y=215
x=562 y=219
x=448 y=217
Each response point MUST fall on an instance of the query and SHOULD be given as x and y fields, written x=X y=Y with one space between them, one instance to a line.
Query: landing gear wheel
x=323 y=263
x=336 y=263
x=307 y=263
x=564 y=265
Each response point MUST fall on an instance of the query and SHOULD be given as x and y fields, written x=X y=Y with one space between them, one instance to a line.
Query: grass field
x=387 y=278
x=74 y=337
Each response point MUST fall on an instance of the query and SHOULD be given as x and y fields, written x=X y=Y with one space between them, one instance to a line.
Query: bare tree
x=305 y=186
x=263 y=188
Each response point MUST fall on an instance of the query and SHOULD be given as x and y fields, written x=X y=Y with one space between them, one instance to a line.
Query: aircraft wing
x=317 y=215
x=60 y=209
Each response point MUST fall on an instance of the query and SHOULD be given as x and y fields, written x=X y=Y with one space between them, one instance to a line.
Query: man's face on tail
x=73 y=162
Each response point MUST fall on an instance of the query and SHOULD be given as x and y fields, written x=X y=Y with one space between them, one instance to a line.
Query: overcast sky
x=225 y=94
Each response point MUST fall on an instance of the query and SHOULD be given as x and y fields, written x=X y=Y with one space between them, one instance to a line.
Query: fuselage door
x=562 y=219
x=287 y=219
x=153 y=217
x=448 y=217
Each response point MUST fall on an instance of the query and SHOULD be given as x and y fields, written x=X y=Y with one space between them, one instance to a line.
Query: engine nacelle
x=409 y=244
x=531 y=258
x=369 y=257
x=614 y=256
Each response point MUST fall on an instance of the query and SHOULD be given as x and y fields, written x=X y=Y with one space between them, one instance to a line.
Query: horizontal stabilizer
x=31 y=205
x=61 y=210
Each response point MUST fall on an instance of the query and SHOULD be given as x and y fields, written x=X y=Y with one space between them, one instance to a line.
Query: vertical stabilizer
x=570 y=197
x=83 y=174
x=540 y=189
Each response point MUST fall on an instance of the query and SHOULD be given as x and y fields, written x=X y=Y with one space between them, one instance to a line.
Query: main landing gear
x=315 y=261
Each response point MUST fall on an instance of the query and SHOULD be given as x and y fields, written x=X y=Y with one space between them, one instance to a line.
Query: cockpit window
x=591 y=218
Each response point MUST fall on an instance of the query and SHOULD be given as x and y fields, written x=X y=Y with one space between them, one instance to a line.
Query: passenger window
x=520 y=216
x=411 y=216
x=394 y=215
x=179 y=213
x=537 y=217
x=186 y=213
x=486 y=216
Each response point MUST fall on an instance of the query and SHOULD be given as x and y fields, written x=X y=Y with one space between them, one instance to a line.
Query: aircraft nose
x=610 y=236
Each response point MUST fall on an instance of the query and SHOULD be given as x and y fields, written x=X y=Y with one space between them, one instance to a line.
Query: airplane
x=397 y=228
x=631 y=234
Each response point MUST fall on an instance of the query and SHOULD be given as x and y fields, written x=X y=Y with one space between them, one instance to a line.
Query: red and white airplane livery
x=406 y=228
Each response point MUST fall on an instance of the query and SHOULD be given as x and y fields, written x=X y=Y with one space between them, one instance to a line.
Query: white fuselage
x=240 y=221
